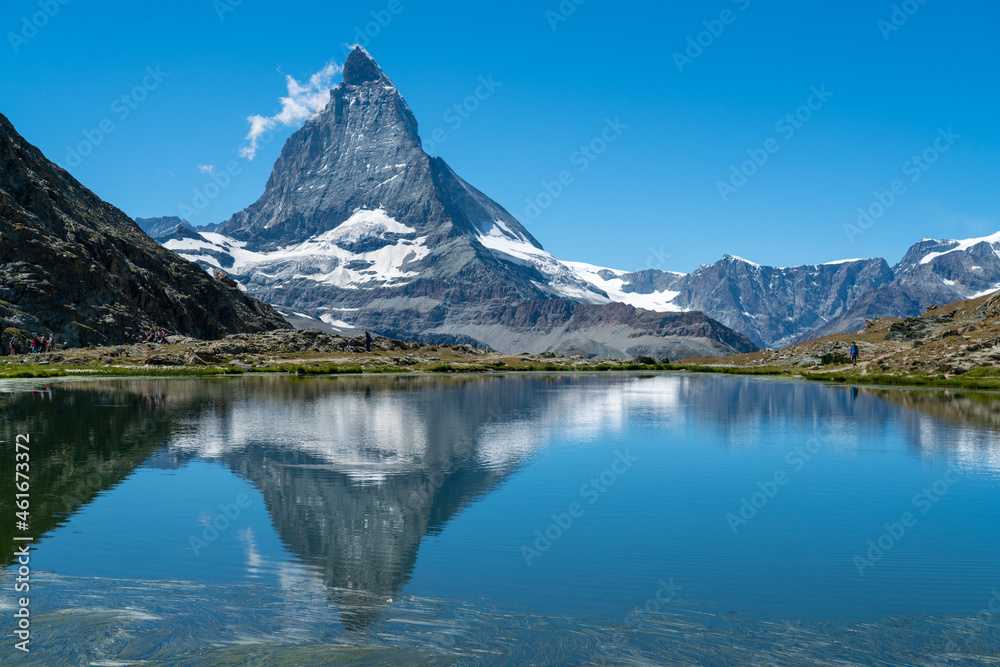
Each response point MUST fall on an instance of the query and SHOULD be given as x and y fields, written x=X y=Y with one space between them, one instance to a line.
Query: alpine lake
x=542 y=519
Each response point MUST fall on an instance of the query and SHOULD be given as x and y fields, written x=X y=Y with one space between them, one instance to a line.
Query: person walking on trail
x=368 y=342
x=854 y=354
x=49 y=344
x=13 y=347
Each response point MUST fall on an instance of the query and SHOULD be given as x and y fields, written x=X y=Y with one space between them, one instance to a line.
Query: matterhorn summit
x=358 y=226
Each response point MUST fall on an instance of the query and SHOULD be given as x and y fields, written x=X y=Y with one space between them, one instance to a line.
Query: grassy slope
x=955 y=345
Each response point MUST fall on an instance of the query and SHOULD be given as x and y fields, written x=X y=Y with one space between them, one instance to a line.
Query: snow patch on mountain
x=963 y=246
x=559 y=278
x=573 y=280
x=323 y=259
x=661 y=302
x=366 y=224
x=984 y=292
x=320 y=258
x=741 y=259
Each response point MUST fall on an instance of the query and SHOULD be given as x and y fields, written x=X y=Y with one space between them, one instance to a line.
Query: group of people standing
x=156 y=336
x=36 y=344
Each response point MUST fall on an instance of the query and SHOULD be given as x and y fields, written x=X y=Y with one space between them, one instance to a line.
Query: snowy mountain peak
x=735 y=258
x=951 y=245
x=360 y=68
x=359 y=227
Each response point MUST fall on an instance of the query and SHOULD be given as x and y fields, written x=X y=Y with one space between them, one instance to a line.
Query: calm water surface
x=662 y=519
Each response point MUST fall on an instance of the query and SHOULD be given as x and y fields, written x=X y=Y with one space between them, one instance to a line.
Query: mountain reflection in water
x=357 y=473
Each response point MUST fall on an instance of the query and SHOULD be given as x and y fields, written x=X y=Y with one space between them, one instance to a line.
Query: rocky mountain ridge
x=77 y=267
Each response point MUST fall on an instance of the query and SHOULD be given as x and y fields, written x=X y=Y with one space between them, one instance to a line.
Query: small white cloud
x=206 y=168
x=304 y=99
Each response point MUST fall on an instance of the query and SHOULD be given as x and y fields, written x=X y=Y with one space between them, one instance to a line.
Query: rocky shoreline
x=956 y=345
x=293 y=351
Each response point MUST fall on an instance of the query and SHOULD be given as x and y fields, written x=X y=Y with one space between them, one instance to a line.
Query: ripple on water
x=110 y=622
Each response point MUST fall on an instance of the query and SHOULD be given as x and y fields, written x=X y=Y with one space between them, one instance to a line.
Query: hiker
x=49 y=344
x=149 y=335
x=368 y=342
x=854 y=354
x=13 y=347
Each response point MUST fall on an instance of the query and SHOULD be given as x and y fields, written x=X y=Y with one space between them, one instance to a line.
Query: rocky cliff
x=74 y=265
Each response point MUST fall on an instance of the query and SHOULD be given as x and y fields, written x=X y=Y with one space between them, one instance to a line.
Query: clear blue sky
x=654 y=187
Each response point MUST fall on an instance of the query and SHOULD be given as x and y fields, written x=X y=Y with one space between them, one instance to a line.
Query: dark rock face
x=914 y=328
x=80 y=268
x=359 y=226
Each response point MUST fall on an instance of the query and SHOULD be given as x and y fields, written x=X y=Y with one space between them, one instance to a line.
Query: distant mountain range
x=777 y=306
x=160 y=227
x=359 y=227
x=77 y=267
